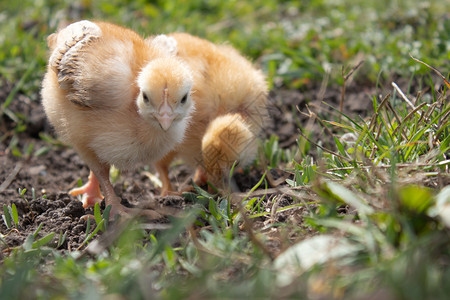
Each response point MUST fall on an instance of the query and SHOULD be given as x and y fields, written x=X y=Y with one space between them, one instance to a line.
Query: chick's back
x=225 y=81
x=89 y=94
x=230 y=95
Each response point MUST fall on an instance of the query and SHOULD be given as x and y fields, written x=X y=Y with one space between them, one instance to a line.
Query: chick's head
x=165 y=92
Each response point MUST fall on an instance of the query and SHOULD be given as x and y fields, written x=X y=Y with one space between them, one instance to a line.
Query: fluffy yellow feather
x=230 y=97
x=116 y=98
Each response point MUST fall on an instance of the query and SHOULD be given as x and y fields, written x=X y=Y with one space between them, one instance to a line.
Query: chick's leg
x=98 y=179
x=162 y=167
x=90 y=191
x=102 y=173
x=200 y=176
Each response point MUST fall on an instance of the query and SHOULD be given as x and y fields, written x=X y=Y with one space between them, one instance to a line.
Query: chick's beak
x=165 y=116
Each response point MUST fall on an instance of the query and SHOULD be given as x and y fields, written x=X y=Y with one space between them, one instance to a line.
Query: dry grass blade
x=432 y=68
x=414 y=111
x=403 y=95
x=408 y=116
x=399 y=120
x=11 y=177
x=402 y=165
x=248 y=227
x=346 y=77
x=313 y=116
x=350 y=73
x=275 y=182
x=430 y=110
x=373 y=121
x=325 y=149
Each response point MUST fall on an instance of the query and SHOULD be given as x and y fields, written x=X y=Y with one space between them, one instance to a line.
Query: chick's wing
x=92 y=66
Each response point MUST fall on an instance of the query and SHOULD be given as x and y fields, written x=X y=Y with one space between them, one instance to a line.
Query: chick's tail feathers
x=228 y=139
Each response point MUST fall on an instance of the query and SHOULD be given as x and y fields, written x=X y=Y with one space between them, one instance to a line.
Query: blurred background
x=294 y=42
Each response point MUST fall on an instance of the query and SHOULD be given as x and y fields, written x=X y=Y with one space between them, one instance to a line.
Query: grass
x=368 y=208
x=294 y=42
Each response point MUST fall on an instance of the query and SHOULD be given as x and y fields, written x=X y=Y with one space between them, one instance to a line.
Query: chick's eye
x=183 y=100
x=144 y=96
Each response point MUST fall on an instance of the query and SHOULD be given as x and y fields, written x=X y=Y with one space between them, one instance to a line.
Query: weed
x=10 y=215
x=366 y=204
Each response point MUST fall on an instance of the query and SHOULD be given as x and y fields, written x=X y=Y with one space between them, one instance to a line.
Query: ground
x=58 y=168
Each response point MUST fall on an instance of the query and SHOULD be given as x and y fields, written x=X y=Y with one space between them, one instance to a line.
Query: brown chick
x=230 y=97
x=116 y=98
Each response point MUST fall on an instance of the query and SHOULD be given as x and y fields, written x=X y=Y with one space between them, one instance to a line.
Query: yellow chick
x=116 y=98
x=230 y=97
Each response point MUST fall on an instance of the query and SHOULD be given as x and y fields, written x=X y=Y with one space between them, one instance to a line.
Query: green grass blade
x=6 y=216
x=212 y=207
x=61 y=239
x=358 y=127
x=255 y=187
x=97 y=214
x=14 y=214
x=106 y=214
x=348 y=197
x=35 y=233
x=89 y=237
x=18 y=86
x=43 y=241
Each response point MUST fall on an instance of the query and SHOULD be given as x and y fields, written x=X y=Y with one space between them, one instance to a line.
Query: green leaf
x=22 y=192
x=42 y=151
x=29 y=150
x=170 y=256
x=340 y=193
x=415 y=198
x=340 y=146
x=97 y=214
x=61 y=239
x=213 y=209
x=28 y=244
x=255 y=187
x=445 y=144
x=291 y=182
x=6 y=216
x=15 y=214
x=106 y=213
x=230 y=175
x=43 y=241
x=258 y=207
x=89 y=236
x=35 y=233
x=16 y=152
x=99 y=226
x=195 y=198
x=223 y=208
x=201 y=191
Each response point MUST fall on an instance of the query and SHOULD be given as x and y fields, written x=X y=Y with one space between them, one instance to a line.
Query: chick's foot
x=90 y=191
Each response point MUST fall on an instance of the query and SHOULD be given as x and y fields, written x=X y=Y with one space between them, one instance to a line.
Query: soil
x=58 y=168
